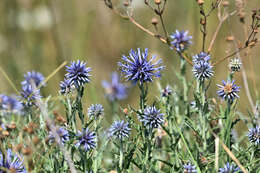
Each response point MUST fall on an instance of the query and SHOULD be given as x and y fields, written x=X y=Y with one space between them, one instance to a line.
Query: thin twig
x=9 y=80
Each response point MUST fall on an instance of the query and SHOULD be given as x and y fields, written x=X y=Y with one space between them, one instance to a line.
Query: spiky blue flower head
x=78 y=73
x=181 y=40
x=29 y=95
x=229 y=168
x=202 y=56
x=228 y=91
x=86 y=139
x=167 y=91
x=115 y=90
x=65 y=86
x=11 y=162
x=189 y=168
x=10 y=104
x=202 y=70
x=33 y=77
x=63 y=134
x=137 y=67
x=119 y=130
x=152 y=117
x=254 y=135
x=95 y=110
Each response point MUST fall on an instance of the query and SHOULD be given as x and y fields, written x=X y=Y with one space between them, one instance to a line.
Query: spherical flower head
x=202 y=70
x=115 y=90
x=65 y=86
x=136 y=67
x=10 y=104
x=29 y=94
x=95 y=110
x=86 y=139
x=228 y=91
x=229 y=168
x=235 y=65
x=119 y=130
x=11 y=162
x=180 y=40
x=63 y=134
x=152 y=117
x=167 y=91
x=78 y=73
x=189 y=168
x=202 y=56
x=33 y=77
x=254 y=135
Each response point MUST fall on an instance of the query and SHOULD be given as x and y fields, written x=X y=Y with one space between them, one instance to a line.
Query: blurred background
x=41 y=34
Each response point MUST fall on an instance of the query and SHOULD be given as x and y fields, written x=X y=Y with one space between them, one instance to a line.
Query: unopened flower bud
x=230 y=38
x=126 y=3
x=158 y=2
x=225 y=3
x=200 y=2
x=154 y=21
x=235 y=65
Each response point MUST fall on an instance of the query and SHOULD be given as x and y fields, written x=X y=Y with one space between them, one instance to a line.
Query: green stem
x=121 y=156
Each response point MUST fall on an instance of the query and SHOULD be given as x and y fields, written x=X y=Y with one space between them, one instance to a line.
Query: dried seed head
x=154 y=21
x=18 y=147
x=158 y=2
x=113 y=171
x=61 y=119
x=125 y=111
x=200 y=2
x=230 y=38
x=5 y=133
x=35 y=140
x=202 y=21
x=27 y=151
x=126 y=3
x=11 y=126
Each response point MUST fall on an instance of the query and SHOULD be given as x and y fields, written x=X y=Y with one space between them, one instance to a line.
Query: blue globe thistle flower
x=86 y=139
x=78 y=73
x=33 y=77
x=189 y=168
x=115 y=90
x=167 y=91
x=63 y=134
x=29 y=94
x=10 y=104
x=254 y=135
x=202 y=70
x=119 y=130
x=152 y=117
x=136 y=67
x=229 y=168
x=181 y=40
x=228 y=91
x=202 y=56
x=95 y=110
x=65 y=86
x=12 y=162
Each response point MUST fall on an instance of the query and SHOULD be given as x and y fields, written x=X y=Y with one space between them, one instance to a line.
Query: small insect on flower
x=235 y=65
x=119 y=130
x=63 y=134
x=115 y=90
x=228 y=91
x=181 y=40
x=137 y=67
x=189 y=168
x=10 y=104
x=254 y=135
x=29 y=95
x=86 y=139
x=33 y=77
x=95 y=111
x=11 y=162
x=152 y=117
x=229 y=168
x=78 y=73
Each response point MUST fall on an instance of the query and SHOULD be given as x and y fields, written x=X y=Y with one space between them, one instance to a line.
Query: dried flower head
x=229 y=168
x=95 y=110
x=180 y=40
x=136 y=67
x=228 y=91
x=119 y=130
x=152 y=117
x=78 y=73
x=86 y=139
x=115 y=90
x=254 y=135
